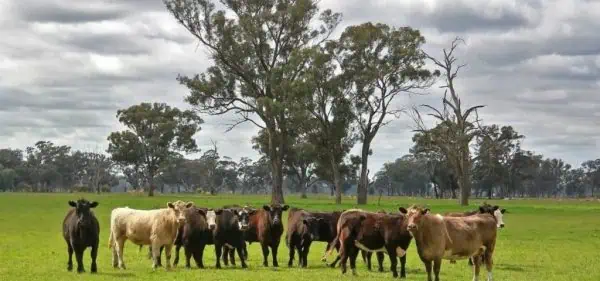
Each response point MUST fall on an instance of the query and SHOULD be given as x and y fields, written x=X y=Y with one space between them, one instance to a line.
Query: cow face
x=83 y=210
x=313 y=226
x=499 y=215
x=178 y=207
x=211 y=218
x=275 y=211
x=244 y=217
x=414 y=215
x=495 y=211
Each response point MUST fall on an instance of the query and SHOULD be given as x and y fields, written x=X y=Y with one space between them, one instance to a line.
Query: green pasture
x=543 y=240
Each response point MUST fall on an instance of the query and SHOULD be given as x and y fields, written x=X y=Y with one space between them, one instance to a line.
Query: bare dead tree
x=456 y=128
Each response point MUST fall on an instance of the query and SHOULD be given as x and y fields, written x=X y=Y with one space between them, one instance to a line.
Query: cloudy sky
x=66 y=67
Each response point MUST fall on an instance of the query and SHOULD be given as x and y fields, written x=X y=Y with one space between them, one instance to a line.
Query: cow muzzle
x=212 y=226
x=412 y=226
x=501 y=226
x=244 y=227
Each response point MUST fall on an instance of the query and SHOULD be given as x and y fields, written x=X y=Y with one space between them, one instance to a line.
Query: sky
x=67 y=67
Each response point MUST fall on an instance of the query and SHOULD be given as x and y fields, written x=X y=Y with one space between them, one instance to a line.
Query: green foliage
x=155 y=132
x=258 y=49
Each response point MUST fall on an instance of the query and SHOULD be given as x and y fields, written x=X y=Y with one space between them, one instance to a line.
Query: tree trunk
x=150 y=183
x=336 y=180
x=302 y=183
x=277 y=184
x=465 y=183
x=363 y=184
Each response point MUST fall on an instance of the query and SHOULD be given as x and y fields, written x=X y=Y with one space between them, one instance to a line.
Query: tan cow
x=146 y=227
x=452 y=238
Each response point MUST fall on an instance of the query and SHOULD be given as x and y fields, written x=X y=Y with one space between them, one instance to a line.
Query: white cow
x=146 y=227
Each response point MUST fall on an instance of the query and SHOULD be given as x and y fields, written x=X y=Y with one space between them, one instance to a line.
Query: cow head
x=178 y=207
x=313 y=226
x=495 y=211
x=415 y=214
x=211 y=218
x=244 y=217
x=83 y=210
x=275 y=211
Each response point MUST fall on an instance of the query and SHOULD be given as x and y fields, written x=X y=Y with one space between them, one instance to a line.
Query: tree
x=459 y=128
x=592 y=171
x=330 y=113
x=380 y=62
x=155 y=131
x=258 y=50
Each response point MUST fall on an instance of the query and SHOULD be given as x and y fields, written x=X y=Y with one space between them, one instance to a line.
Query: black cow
x=81 y=230
x=302 y=230
x=227 y=232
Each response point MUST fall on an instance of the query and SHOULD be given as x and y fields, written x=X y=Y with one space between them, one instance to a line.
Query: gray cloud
x=66 y=68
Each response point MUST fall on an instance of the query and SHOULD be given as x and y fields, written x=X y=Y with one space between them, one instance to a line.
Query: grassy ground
x=543 y=240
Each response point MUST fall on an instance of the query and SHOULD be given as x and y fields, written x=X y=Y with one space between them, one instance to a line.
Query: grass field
x=542 y=240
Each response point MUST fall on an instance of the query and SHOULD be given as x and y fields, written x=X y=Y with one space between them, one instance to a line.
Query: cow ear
x=170 y=205
x=403 y=210
x=218 y=211
x=305 y=221
x=285 y=207
x=267 y=208
x=201 y=212
x=496 y=207
x=72 y=204
x=426 y=211
x=94 y=204
x=189 y=204
x=502 y=211
x=363 y=217
x=251 y=211
x=481 y=209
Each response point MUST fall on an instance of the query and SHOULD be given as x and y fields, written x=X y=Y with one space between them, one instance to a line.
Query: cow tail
x=111 y=240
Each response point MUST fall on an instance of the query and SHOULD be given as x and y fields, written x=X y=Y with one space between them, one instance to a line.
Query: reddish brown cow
x=438 y=237
x=373 y=232
x=266 y=227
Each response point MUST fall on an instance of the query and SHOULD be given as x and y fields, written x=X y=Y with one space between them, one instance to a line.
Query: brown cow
x=266 y=227
x=373 y=232
x=302 y=229
x=438 y=237
x=485 y=208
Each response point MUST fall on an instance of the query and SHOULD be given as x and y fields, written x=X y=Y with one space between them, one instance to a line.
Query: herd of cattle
x=452 y=236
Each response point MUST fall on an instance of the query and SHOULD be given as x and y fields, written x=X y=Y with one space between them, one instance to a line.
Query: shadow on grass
x=512 y=267
x=116 y=274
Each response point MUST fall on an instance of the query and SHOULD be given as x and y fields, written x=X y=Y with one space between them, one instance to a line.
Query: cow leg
x=380 y=258
x=176 y=260
x=489 y=264
x=293 y=248
x=94 y=255
x=218 y=252
x=240 y=251
x=476 y=267
x=225 y=256
x=120 y=245
x=168 y=249
x=274 y=249
x=155 y=254
x=366 y=258
x=79 y=257
x=232 y=256
x=428 y=269
x=70 y=262
x=393 y=261
x=305 y=255
x=265 y=250
x=188 y=256
x=403 y=266
x=353 y=252
x=437 y=264
x=115 y=256
x=199 y=256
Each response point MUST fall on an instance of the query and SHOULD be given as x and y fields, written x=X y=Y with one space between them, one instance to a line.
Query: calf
x=244 y=214
x=81 y=230
x=226 y=232
x=266 y=227
x=146 y=227
x=302 y=230
x=438 y=237
x=373 y=232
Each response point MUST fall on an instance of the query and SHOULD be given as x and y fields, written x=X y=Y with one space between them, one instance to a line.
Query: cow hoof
x=80 y=270
x=265 y=264
x=275 y=265
x=94 y=269
x=244 y=266
x=70 y=268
